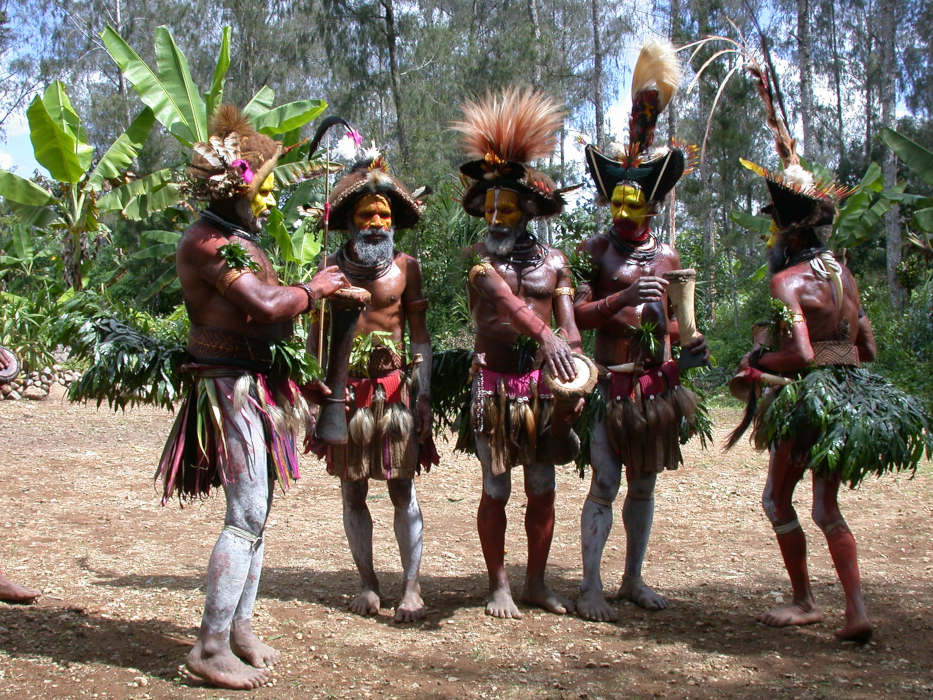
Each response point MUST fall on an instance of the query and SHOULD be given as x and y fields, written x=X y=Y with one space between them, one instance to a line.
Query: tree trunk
x=536 y=50
x=672 y=129
x=840 y=132
x=869 y=105
x=805 y=66
x=892 y=225
x=391 y=43
x=598 y=59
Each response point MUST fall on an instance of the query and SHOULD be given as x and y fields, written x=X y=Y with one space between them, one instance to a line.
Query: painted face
x=264 y=199
x=773 y=232
x=631 y=213
x=372 y=212
x=503 y=209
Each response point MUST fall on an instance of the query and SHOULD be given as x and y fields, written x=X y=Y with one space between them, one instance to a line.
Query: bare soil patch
x=122 y=582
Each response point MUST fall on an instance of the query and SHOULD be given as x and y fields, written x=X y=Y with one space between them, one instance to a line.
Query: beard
x=500 y=240
x=375 y=252
x=777 y=257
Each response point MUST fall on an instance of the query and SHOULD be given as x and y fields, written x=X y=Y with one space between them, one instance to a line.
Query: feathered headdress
x=654 y=82
x=797 y=198
x=502 y=133
x=235 y=160
x=370 y=175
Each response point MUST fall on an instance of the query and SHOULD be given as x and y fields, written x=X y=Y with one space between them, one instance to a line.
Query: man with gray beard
x=388 y=403
x=517 y=285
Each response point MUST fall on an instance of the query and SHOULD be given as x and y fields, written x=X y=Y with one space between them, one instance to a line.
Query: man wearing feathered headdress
x=811 y=403
x=517 y=285
x=388 y=403
x=625 y=300
x=237 y=426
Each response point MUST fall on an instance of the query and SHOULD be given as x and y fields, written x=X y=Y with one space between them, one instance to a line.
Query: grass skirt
x=851 y=422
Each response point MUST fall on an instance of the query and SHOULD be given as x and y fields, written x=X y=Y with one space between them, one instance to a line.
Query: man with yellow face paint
x=388 y=403
x=517 y=287
x=235 y=429
x=625 y=300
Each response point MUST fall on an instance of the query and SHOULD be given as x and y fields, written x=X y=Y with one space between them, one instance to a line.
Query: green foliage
x=363 y=347
x=237 y=257
x=865 y=425
x=24 y=328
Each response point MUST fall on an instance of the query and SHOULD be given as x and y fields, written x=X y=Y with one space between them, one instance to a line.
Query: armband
x=230 y=275
x=480 y=269
x=798 y=318
x=417 y=304
x=602 y=306
x=567 y=291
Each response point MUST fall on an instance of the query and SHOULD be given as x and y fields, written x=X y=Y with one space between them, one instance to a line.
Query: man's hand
x=328 y=281
x=556 y=356
x=315 y=392
x=750 y=373
x=645 y=289
x=424 y=419
x=698 y=347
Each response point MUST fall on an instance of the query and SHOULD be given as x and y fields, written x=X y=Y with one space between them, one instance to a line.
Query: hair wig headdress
x=235 y=160
x=370 y=175
x=654 y=81
x=502 y=133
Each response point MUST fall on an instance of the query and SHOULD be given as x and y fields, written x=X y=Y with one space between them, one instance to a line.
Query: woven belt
x=835 y=352
x=214 y=343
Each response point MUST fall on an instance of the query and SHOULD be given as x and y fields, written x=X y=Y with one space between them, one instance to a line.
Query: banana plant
x=183 y=109
x=68 y=204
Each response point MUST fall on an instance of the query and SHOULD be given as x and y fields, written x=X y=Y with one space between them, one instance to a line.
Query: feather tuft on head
x=228 y=119
x=657 y=67
x=516 y=125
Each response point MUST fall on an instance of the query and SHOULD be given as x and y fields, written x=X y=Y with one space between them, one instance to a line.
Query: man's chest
x=529 y=282
x=618 y=271
x=387 y=291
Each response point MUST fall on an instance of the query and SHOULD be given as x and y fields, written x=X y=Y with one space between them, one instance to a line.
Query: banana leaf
x=55 y=149
x=915 y=156
x=176 y=77
x=14 y=188
x=150 y=87
x=215 y=94
x=288 y=117
x=123 y=151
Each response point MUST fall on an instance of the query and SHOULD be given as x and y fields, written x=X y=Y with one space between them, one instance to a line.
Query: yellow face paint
x=264 y=199
x=629 y=205
x=773 y=231
x=502 y=208
x=372 y=211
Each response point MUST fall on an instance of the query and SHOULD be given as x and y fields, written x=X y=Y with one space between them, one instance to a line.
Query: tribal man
x=516 y=286
x=236 y=428
x=9 y=591
x=389 y=408
x=821 y=338
x=626 y=301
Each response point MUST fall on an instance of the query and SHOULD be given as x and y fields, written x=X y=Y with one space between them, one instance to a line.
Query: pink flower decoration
x=326 y=212
x=356 y=136
x=245 y=170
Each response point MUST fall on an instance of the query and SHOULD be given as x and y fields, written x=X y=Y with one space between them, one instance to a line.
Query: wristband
x=312 y=297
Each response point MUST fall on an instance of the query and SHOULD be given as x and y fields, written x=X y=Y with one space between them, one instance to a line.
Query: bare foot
x=542 y=596
x=245 y=644
x=500 y=604
x=365 y=603
x=592 y=605
x=857 y=630
x=212 y=661
x=11 y=593
x=793 y=613
x=411 y=607
x=635 y=590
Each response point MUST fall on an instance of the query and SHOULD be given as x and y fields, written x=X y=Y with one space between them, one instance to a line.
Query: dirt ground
x=122 y=582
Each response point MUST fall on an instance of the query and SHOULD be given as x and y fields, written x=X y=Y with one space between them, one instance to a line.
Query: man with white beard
x=388 y=437
x=517 y=285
